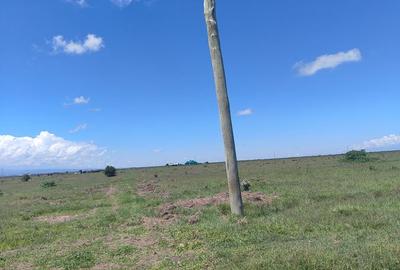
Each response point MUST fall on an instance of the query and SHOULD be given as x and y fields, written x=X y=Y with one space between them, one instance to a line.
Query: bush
x=245 y=185
x=1 y=193
x=48 y=184
x=357 y=155
x=191 y=162
x=110 y=171
x=25 y=178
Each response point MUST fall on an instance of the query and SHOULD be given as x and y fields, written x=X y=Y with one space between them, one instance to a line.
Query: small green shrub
x=2 y=261
x=110 y=171
x=25 y=178
x=1 y=193
x=245 y=185
x=357 y=156
x=48 y=184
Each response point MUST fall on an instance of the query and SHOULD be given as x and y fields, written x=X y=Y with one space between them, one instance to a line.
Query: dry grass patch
x=56 y=219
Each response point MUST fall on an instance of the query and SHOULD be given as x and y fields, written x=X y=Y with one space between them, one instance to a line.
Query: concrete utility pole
x=235 y=195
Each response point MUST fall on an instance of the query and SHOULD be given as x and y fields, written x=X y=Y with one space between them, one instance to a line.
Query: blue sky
x=86 y=83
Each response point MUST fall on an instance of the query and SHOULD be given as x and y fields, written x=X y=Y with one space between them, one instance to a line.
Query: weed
x=48 y=184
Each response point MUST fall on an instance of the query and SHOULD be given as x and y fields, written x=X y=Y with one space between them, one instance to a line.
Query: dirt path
x=110 y=193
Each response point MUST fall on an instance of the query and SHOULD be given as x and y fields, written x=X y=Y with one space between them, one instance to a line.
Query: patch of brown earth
x=144 y=189
x=56 y=202
x=167 y=213
x=111 y=191
x=64 y=218
x=56 y=219
x=140 y=242
x=151 y=188
x=220 y=198
x=258 y=197
x=22 y=266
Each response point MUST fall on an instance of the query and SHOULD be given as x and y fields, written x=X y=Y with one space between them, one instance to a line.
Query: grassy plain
x=324 y=214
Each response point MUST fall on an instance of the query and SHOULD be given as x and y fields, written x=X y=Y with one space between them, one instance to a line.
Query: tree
x=235 y=196
x=357 y=155
x=191 y=162
x=110 y=171
x=25 y=178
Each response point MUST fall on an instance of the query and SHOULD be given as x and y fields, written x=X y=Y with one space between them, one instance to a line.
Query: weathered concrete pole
x=235 y=195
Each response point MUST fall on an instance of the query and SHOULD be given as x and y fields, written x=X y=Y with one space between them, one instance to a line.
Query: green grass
x=328 y=214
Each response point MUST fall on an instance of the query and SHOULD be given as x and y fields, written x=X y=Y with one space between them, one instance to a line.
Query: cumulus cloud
x=48 y=150
x=78 y=128
x=384 y=141
x=92 y=43
x=81 y=100
x=245 y=112
x=328 y=61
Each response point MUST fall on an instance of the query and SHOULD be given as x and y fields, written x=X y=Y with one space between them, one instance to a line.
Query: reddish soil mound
x=220 y=198
x=146 y=188
x=151 y=189
x=167 y=211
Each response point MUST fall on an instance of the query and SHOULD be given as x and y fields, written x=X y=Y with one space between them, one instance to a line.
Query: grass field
x=319 y=213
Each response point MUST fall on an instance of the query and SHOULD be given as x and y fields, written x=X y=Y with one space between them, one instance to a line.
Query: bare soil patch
x=56 y=219
x=220 y=198
x=167 y=213
x=151 y=188
x=22 y=266
x=111 y=191
x=147 y=188
x=137 y=241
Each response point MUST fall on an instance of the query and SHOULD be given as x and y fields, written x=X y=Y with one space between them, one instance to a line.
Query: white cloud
x=122 y=3
x=81 y=100
x=157 y=151
x=48 y=150
x=384 y=141
x=245 y=112
x=328 y=61
x=119 y=3
x=92 y=43
x=78 y=128
x=81 y=3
